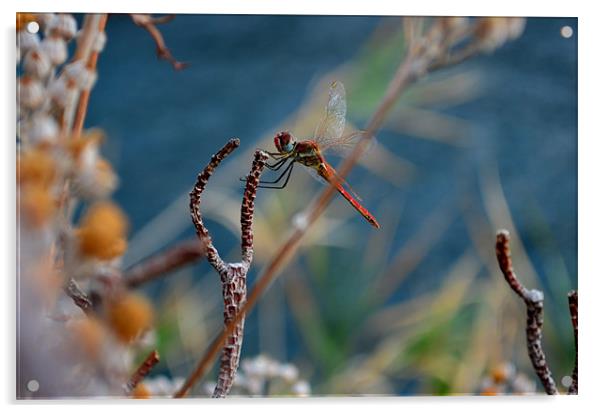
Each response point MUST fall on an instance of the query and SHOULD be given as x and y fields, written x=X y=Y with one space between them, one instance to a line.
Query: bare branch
x=573 y=308
x=147 y=22
x=183 y=253
x=147 y=365
x=233 y=275
x=534 y=302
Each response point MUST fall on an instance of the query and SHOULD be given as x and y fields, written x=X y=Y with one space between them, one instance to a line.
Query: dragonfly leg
x=277 y=165
x=287 y=172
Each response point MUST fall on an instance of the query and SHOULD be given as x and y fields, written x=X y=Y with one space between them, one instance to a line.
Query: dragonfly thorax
x=284 y=142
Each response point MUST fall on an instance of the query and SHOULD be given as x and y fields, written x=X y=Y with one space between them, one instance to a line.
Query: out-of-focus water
x=248 y=73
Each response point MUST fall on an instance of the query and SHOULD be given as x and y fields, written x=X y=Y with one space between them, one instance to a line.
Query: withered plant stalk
x=84 y=97
x=183 y=253
x=233 y=275
x=149 y=23
x=142 y=371
x=534 y=301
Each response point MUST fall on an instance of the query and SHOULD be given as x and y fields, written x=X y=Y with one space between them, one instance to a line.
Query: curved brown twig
x=149 y=23
x=233 y=275
x=534 y=302
x=183 y=253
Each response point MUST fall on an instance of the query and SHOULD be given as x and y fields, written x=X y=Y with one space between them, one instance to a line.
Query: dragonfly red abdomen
x=327 y=172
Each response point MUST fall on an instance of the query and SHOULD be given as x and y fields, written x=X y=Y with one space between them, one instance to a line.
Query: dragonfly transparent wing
x=330 y=130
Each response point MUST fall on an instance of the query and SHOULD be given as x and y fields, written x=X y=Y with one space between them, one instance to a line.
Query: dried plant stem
x=573 y=308
x=183 y=253
x=408 y=71
x=233 y=275
x=149 y=23
x=84 y=97
x=141 y=372
x=79 y=297
x=85 y=43
x=534 y=302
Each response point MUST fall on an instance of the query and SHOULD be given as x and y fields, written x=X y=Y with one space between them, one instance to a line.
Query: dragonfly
x=309 y=153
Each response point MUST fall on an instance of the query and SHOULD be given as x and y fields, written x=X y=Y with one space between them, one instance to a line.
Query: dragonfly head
x=284 y=141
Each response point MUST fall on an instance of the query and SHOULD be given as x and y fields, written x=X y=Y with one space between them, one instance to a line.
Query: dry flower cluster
x=264 y=376
x=504 y=379
x=73 y=295
x=60 y=169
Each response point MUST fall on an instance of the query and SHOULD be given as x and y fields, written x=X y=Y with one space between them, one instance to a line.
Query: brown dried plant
x=534 y=301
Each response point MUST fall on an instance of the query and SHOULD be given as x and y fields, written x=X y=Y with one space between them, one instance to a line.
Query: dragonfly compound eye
x=283 y=142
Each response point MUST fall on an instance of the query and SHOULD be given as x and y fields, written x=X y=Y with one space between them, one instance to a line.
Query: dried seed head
x=516 y=27
x=301 y=389
x=97 y=181
x=37 y=205
x=45 y=18
x=493 y=32
x=27 y=41
x=31 y=92
x=99 y=42
x=103 y=231
x=129 y=315
x=63 y=25
x=521 y=384
x=55 y=48
x=36 y=167
x=141 y=392
x=490 y=391
x=453 y=23
x=81 y=148
x=41 y=129
x=502 y=373
x=79 y=74
x=89 y=333
x=288 y=372
x=60 y=92
x=36 y=63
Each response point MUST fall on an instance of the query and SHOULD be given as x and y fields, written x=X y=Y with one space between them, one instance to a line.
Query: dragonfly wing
x=331 y=128
x=347 y=142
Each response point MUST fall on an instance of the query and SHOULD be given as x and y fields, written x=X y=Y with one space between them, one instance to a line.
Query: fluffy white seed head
x=36 y=63
x=63 y=25
x=27 y=41
x=288 y=372
x=301 y=388
x=55 y=48
x=42 y=128
x=61 y=91
x=31 y=92
x=99 y=42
